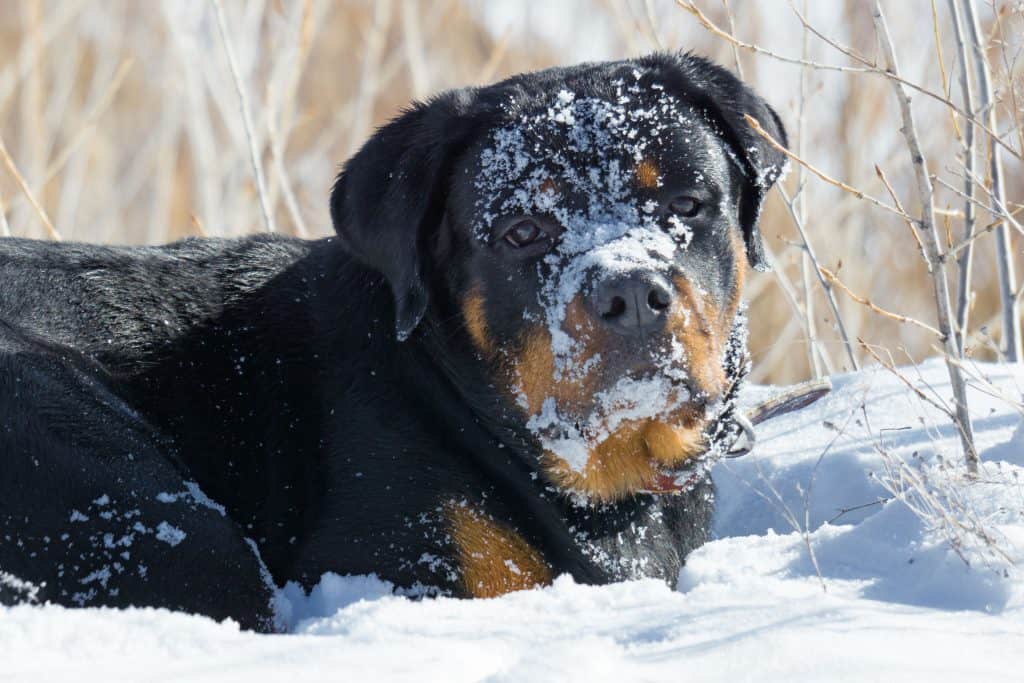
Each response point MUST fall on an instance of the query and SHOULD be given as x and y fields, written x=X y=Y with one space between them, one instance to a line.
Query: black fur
x=316 y=389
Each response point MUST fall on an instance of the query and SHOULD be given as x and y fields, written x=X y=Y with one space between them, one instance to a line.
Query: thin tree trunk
x=932 y=244
x=1004 y=256
x=965 y=259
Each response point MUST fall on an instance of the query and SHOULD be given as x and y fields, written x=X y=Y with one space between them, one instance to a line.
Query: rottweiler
x=515 y=359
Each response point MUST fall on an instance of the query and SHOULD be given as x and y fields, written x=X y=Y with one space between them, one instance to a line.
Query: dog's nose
x=634 y=304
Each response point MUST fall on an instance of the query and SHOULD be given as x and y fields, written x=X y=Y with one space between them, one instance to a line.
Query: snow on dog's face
x=608 y=270
x=588 y=229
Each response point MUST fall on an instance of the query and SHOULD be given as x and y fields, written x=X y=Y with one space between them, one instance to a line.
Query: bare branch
x=712 y=28
x=756 y=125
x=833 y=279
x=809 y=251
x=40 y=211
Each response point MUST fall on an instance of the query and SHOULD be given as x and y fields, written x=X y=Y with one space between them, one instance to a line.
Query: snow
x=927 y=586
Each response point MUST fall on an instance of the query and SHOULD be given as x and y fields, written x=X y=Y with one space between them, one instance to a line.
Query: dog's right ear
x=390 y=197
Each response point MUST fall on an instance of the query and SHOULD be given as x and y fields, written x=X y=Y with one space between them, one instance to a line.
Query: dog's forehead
x=598 y=149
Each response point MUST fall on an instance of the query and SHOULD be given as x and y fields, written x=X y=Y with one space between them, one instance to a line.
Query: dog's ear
x=725 y=100
x=390 y=198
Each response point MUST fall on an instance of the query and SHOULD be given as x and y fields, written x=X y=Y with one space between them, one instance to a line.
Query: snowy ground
x=892 y=598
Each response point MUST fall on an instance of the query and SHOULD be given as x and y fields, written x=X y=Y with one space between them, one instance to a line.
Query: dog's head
x=589 y=229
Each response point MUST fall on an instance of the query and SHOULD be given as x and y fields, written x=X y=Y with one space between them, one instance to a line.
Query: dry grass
x=123 y=119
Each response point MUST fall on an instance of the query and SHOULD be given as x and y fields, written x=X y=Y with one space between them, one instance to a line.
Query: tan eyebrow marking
x=648 y=175
x=549 y=186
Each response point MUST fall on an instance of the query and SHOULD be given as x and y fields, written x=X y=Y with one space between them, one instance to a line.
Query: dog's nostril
x=616 y=307
x=658 y=300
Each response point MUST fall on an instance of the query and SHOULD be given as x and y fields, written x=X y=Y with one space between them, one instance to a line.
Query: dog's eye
x=684 y=206
x=522 y=233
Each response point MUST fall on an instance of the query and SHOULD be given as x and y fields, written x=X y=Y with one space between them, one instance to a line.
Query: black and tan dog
x=514 y=361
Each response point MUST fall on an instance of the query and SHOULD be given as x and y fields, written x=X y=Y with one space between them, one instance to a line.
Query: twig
x=1000 y=218
x=871 y=67
x=809 y=251
x=932 y=243
x=800 y=315
x=854 y=508
x=942 y=65
x=277 y=155
x=243 y=102
x=756 y=125
x=888 y=365
x=896 y=200
x=832 y=278
x=40 y=211
x=1001 y=211
x=712 y=28
x=732 y=29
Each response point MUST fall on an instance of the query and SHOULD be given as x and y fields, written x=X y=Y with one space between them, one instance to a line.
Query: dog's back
x=111 y=301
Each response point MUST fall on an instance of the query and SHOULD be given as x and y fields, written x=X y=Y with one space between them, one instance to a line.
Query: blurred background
x=123 y=121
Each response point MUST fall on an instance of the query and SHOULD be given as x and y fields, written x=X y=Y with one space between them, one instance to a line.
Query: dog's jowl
x=517 y=358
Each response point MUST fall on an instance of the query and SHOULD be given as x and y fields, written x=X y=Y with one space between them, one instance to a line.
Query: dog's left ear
x=725 y=100
x=390 y=198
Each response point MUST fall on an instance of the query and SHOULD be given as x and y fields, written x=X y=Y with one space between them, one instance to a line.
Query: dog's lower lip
x=665 y=483
x=670 y=481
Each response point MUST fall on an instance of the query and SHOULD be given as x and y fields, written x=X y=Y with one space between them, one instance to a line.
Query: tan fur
x=672 y=445
x=549 y=186
x=704 y=328
x=493 y=557
x=475 y=316
x=631 y=458
x=648 y=175
x=739 y=262
x=628 y=461
x=532 y=370
x=696 y=323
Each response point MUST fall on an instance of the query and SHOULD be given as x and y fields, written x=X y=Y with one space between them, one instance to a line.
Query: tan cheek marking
x=696 y=323
x=493 y=557
x=532 y=371
x=475 y=316
x=647 y=174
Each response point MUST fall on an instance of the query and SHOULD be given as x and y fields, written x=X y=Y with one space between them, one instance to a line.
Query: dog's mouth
x=643 y=435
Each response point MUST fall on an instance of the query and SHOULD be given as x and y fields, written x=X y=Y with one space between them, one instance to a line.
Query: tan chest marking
x=493 y=557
